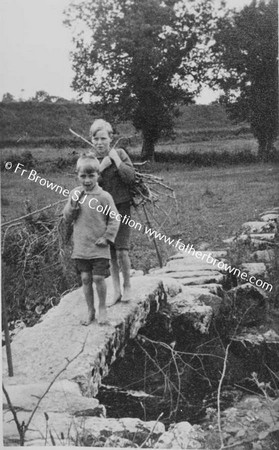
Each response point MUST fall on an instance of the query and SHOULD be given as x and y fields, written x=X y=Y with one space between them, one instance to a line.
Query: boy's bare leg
x=86 y=278
x=102 y=294
x=114 y=268
x=123 y=257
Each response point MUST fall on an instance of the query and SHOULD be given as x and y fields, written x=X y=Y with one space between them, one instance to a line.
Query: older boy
x=117 y=176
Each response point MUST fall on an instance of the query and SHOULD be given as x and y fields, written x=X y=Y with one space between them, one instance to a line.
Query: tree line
x=140 y=60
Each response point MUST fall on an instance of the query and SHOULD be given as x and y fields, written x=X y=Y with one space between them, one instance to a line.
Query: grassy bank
x=35 y=124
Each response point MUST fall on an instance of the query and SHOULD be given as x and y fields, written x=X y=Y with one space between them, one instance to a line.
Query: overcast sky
x=35 y=47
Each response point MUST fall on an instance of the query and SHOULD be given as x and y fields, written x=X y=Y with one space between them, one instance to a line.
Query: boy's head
x=88 y=169
x=101 y=134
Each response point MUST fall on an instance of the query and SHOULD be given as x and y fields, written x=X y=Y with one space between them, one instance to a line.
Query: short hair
x=89 y=160
x=98 y=125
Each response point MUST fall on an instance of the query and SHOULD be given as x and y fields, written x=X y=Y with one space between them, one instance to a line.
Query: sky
x=35 y=49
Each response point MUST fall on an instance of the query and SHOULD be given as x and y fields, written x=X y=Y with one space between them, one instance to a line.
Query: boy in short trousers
x=93 y=233
x=117 y=174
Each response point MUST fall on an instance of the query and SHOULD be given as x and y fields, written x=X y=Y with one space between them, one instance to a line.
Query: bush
x=34 y=268
x=26 y=158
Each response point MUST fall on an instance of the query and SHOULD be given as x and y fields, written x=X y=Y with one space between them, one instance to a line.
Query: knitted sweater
x=95 y=219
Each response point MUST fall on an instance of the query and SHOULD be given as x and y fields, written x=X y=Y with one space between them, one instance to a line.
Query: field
x=213 y=202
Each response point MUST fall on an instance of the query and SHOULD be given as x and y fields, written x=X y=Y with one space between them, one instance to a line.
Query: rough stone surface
x=43 y=355
x=255 y=337
x=136 y=273
x=216 y=278
x=212 y=288
x=247 y=304
x=268 y=237
x=270 y=216
x=186 y=273
x=68 y=430
x=258 y=227
x=119 y=442
x=189 y=265
x=254 y=269
x=218 y=254
x=266 y=256
x=63 y=396
x=130 y=428
x=181 y=435
x=254 y=419
x=195 y=308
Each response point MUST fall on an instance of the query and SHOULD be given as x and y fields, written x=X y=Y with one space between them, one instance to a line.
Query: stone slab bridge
x=188 y=285
x=42 y=351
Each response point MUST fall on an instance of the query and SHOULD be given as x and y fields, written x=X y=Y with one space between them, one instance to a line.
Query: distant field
x=29 y=123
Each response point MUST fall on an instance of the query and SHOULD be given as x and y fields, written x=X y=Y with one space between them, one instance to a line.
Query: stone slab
x=63 y=396
x=40 y=352
x=69 y=431
x=265 y=256
x=191 y=265
x=181 y=435
x=201 y=280
x=218 y=254
x=258 y=227
x=212 y=288
x=178 y=274
x=254 y=269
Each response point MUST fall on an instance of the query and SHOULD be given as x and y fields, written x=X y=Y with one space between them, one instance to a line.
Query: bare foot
x=116 y=299
x=91 y=318
x=102 y=319
x=87 y=322
x=116 y=294
x=127 y=294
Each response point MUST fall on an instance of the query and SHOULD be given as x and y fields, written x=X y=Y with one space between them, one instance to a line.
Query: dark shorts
x=99 y=266
x=123 y=236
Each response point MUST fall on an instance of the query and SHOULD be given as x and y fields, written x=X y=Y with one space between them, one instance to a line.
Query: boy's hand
x=115 y=157
x=105 y=163
x=101 y=242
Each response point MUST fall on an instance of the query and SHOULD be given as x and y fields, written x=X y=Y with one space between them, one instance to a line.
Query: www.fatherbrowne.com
x=208 y=258
x=32 y=176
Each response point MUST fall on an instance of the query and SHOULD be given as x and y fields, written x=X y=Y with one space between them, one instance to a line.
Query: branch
x=152 y=429
x=219 y=394
x=20 y=428
x=69 y=361
x=81 y=137
x=33 y=212
x=23 y=428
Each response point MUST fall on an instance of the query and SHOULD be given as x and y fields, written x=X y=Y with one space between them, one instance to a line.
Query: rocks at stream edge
x=182 y=435
x=245 y=305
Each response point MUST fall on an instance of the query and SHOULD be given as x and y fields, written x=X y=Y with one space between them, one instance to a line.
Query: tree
x=41 y=96
x=246 y=52
x=141 y=58
x=8 y=98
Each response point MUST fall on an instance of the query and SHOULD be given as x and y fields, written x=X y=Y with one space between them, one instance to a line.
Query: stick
x=33 y=212
x=7 y=338
x=69 y=361
x=219 y=394
x=153 y=239
x=81 y=137
x=20 y=427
